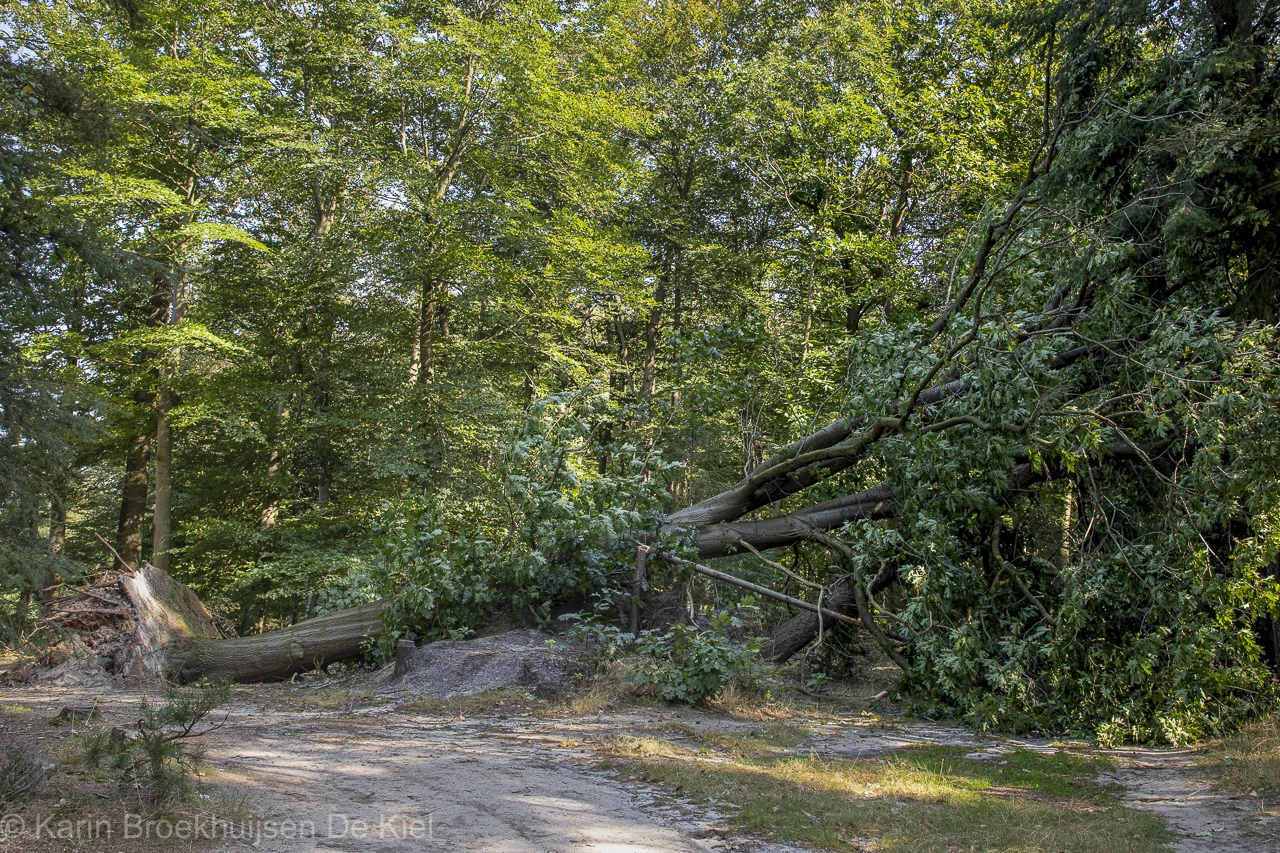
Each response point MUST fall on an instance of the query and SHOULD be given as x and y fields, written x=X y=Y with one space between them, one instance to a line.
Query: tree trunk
x=161 y=515
x=133 y=501
x=801 y=630
x=57 y=527
x=720 y=539
x=275 y=468
x=422 y=359
x=279 y=654
x=649 y=367
x=169 y=312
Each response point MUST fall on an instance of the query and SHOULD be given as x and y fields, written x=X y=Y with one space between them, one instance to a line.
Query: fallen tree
x=275 y=655
x=138 y=625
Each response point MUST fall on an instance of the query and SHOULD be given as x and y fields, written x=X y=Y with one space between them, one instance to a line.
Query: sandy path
x=1169 y=783
x=377 y=779
x=467 y=789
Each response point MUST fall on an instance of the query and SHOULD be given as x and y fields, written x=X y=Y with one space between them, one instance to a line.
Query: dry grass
x=607 y=689
x=86 y=802
x=916 y=801
x=1248 y=761
x=335 y=698
x=771 y=738
x=503 y=702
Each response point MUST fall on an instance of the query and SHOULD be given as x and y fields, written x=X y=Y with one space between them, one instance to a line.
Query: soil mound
x=526 y=659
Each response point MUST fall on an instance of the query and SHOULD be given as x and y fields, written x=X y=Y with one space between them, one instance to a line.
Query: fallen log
x=800 y=630
x=279 y=654
x=156 y=629
x=721 y=539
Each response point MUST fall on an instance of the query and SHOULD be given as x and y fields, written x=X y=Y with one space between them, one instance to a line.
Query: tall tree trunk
x=133 y=500
x=1262 y=284
x=57 y=527
x=275 y=468
x=271 y=506
x=324 y=446
x=161 y=514
x=648 y=368
x=422 y=360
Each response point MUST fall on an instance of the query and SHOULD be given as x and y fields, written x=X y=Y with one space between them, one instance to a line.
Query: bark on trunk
x=649 y=368
x=279 y=654
x=793 y=635
x=801 y=630
x=422 y=359
x=721 y=539
x=162 y=513
x=57 y=527
x=133 y=501
x=275 y=468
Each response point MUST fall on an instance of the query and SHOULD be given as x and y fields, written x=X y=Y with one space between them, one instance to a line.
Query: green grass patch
x=919 y=800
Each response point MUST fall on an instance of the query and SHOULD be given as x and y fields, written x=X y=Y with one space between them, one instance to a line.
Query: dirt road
x=381 y=779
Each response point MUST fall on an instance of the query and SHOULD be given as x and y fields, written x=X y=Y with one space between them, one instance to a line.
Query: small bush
x=158 y=758
x=684 y=664
x=601 y=641
x=22 y=772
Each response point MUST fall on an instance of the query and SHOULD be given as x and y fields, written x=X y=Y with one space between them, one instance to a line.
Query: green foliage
x=602 y=642
x=158 y=758
x=688 y=664
x=423 y=297
x=559 y=531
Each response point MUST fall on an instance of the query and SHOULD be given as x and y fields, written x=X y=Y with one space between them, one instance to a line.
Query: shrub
x=685 y=664
x=159 y=758
x=602 y=642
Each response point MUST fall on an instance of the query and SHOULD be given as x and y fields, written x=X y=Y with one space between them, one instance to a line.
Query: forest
x=953 y=324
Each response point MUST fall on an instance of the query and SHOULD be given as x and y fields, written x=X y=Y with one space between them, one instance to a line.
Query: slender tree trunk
x=161 y=515
x=422 y=360
x=271 y=506
x=1262 y=285
x=648 y=368
x=324 y=445
x=275 y=468
x=133 y=502
x=808 y=313
x=57 y=527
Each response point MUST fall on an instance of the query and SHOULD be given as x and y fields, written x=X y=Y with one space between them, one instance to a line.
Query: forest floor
x=508 y=773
